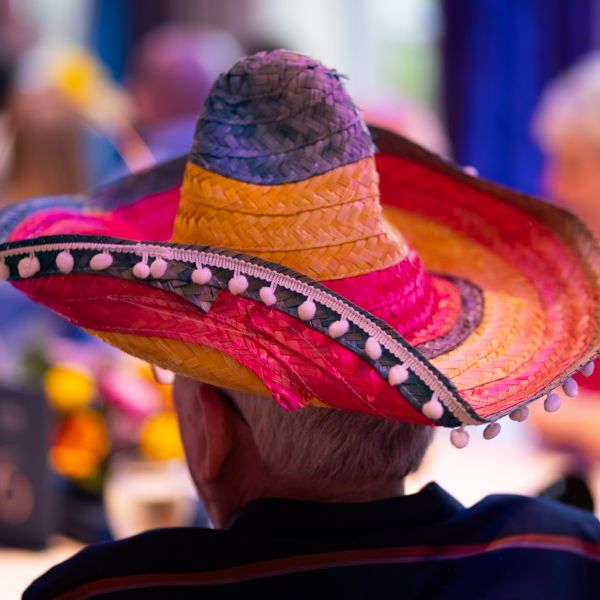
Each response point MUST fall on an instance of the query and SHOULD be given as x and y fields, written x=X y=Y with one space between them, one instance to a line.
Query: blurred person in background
x=104 y=108
x=171 y=73
x=566 y=124
x=44 y=156
x=47 y=148
x=62 y=112
x=40 y=153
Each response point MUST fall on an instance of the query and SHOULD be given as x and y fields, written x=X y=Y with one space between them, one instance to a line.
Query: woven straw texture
x=341 y=234
x=282 y=168
x=539 y=321
x=279 y=117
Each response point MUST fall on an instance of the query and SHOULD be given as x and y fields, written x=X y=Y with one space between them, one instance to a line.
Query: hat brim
x=537 y=268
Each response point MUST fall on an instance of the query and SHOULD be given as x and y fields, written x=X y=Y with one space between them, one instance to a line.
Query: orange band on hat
x=328 y=226
x=339 y=186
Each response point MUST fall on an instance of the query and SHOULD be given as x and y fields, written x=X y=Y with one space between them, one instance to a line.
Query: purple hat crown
x=279 y=117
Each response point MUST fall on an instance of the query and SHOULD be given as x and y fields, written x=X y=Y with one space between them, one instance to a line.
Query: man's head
x=240 y=447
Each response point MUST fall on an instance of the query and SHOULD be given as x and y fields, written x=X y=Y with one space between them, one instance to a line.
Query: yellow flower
x=160 y=438
x=81 y=445
x=78 y=76
x=69 y=387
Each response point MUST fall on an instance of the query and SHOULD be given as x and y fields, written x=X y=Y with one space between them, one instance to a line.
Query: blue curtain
x=497 y=57
x=117 y=25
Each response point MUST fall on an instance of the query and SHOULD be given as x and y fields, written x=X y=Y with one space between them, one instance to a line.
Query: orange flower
x=81 y=445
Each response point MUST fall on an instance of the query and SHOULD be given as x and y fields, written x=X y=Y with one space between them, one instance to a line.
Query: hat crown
x=282 y=167
x=278 y=117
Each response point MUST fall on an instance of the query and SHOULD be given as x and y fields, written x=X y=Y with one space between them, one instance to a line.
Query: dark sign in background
x=26 y=503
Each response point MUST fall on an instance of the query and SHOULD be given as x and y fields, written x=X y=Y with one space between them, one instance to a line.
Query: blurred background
x=509 y=87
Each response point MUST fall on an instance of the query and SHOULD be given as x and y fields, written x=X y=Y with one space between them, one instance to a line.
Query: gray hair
x=332 y=444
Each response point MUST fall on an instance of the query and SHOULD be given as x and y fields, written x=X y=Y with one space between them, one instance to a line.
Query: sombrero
x=290 y=257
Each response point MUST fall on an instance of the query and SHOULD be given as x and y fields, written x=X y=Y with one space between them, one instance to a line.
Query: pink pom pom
x=4 y=271
x=373 y=348
x=398 y=374
x=101 y=261
x=238 y=285
x=307 y=310
x=141 y=270
x=267 y=295
x=28 y=266
x=338 y=328
x=459 y=438
x=201 y=276
x=491 y=431
x=570 y=387
x=471 y=170
x=552 y=402
x=65 y=262
x=158 y=268
x=433 y=409
x=519 y=414
x=588 y=369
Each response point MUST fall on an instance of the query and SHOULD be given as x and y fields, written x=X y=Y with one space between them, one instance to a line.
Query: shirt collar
x=282 y=516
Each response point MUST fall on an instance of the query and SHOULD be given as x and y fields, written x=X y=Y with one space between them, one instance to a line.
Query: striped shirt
x=425 y=545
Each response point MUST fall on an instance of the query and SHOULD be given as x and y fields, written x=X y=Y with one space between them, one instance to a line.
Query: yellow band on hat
x=328 y=226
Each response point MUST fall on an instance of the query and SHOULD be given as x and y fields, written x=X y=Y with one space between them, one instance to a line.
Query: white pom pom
x=201 y=276
x=491 y=431
x=158 y=268
x=163 y=375
x=267 y=295
x=471 y=170
x=307 y=310
x=588 y=369
x=338 y=328
x=373 y=348
x=141 y=270
x=101 y=261
x=519 y=414
x=552 y=402
x=238 y=285
x=398 y=374
x=65 y=262
x=28 y=266
x=570 y=387
x=459 y=438
x=4 y=271
x=433 y=409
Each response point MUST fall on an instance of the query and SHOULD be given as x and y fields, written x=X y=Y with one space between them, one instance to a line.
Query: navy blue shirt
x=425 y=545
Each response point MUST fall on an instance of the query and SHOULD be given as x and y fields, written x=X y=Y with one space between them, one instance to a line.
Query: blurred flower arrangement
x=104 y=402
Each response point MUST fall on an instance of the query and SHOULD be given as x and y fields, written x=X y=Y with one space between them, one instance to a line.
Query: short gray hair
x=332 y=444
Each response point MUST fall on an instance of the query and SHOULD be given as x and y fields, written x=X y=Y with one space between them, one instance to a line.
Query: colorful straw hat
x=290 y=257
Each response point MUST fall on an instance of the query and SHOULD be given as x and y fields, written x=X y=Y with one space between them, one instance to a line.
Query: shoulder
x=158 y=551
x=510 y=515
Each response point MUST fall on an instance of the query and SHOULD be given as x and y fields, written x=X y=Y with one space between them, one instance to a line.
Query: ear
x=218 y=432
